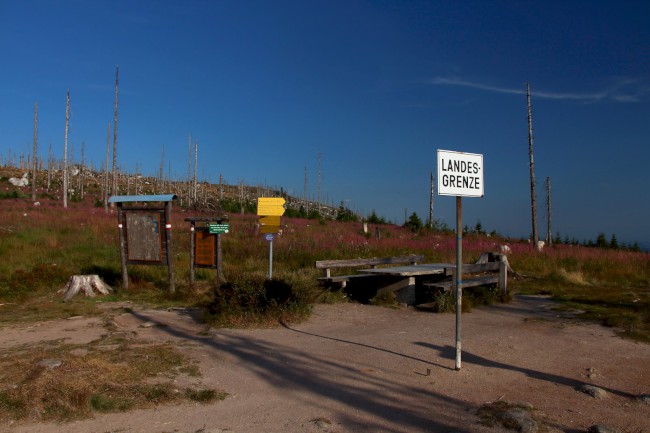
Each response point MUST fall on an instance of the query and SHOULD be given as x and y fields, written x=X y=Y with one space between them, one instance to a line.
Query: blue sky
x=374 y=87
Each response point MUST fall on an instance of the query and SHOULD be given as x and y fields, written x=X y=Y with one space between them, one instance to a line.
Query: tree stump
x=87 y=284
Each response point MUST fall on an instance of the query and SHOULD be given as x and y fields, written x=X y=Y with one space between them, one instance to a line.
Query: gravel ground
x=360 y=368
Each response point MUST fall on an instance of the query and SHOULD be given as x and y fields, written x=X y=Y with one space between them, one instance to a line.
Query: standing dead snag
x=85 y=283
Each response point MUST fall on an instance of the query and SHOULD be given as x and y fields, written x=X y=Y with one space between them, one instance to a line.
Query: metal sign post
x=460 y=174
x=459 y=274
x=269 y=237
x=270 y=209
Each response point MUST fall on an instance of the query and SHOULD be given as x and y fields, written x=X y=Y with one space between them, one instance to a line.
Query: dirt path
x=358 y=368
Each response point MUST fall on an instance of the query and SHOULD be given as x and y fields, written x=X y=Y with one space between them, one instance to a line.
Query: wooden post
x=192 y=246
x=170 y=254
x=120 y=221
x=220 y=277
x=503 y=277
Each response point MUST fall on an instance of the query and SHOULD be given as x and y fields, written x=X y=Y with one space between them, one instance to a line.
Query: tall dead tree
x=241 y=196
x=161 y=171
x=196 y=164
x=108 y=145
x=65 y=150
x=304 y=192
x=533 y=196
x=34 y=151
x=549 y=236
x=50 y=167
x=82 y=172
x=319 y=155
x=115 y=190
x=189 y=170
x=431 y=203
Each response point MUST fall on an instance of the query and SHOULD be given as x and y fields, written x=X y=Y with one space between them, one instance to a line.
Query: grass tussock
x=57 y=382
x=256 y=301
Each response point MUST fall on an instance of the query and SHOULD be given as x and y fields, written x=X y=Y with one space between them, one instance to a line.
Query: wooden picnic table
x=403 y=280
x=413 y=270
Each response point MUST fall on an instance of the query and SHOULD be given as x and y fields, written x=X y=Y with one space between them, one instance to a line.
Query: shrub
x=256 y=301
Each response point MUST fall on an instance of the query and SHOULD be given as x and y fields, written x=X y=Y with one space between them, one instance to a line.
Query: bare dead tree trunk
x=34 y=152
x=319 y=155
x=431 y=203
x=549 y=239
x=189 y=170
x=65 y=150
x=160 y=173
x=196 y=163
x=50 y=167
x=108 y=144
x=241 y=196
x=533 y=196
x=115 y=190
x=82 y=171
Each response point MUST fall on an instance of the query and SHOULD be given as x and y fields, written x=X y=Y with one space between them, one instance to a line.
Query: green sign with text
x=219 y=228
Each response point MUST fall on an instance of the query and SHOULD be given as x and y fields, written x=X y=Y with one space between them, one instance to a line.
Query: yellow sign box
x=270 y=201
x=270 y=206
x=269 y=229
x=270 y=220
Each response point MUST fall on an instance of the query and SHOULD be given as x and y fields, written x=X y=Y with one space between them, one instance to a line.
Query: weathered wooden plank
x=470 y=282
x=326 y=264
x=341 y=278
x=475 y=268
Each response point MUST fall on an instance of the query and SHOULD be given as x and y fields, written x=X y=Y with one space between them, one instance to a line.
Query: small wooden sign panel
x=205 y=251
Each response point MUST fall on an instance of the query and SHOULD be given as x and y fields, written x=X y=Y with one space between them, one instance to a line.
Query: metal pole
x=459 y=274
x=271 y=260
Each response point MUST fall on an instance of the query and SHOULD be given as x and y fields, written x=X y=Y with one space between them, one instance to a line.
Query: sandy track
x=358 y=368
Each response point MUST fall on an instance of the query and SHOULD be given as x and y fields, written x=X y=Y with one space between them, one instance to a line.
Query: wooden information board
x=204 y=249
x=144 y=236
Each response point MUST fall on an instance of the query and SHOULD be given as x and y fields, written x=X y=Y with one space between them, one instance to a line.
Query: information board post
x=460 y=174
x=192 y=247
x=205 y=245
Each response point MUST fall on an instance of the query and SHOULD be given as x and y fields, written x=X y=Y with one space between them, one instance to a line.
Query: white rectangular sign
x=460 y=174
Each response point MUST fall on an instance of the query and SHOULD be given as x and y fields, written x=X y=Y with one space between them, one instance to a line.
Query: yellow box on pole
x=269 y=229
x=270 y=206
x=271 y=201
x=270 y=220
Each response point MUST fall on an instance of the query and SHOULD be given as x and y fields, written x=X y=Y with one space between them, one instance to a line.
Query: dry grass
x=108 y=375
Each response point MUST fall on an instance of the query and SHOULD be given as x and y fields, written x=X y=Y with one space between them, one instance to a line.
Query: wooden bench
x=328 y=265
x=500 y=278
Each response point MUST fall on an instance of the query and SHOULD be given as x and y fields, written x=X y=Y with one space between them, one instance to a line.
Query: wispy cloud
x=625 y=90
